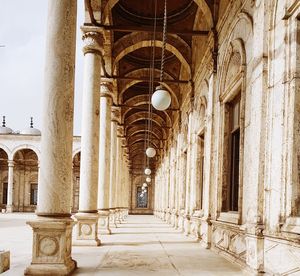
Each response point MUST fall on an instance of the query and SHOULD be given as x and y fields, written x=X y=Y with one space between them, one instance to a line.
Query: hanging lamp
x=161 y=98
x=150 y=152
x=147 y=171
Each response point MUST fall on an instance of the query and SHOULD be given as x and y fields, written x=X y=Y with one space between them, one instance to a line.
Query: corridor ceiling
x=128 y=26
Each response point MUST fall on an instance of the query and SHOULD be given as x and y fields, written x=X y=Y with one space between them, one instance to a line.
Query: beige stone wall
x=258 y=55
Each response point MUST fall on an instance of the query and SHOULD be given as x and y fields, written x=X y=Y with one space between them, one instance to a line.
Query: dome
x=4 y=129
x=31 y=130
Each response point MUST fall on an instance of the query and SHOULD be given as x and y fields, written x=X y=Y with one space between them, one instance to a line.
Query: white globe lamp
x=150 y=152
x=161 y=98
x=147 y=171
x=148 y=179
x=145 y=185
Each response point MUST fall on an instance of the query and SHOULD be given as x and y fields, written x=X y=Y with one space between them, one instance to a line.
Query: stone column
x=104 y=157
x=52 y=229
x=87 y=216
x=118 y=174
x=10 y=187
x=113 y=167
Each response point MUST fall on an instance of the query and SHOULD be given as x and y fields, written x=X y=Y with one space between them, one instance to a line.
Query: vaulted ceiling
x=128 y=26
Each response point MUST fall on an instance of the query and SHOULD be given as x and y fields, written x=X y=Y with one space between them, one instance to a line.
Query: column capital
x=115 y=114
x=106 y=88
x=93 y=41
x=10 y=163
x=120 y=131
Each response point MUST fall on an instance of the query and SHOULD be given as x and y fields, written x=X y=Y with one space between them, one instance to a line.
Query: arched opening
x=25 y=180
x=76 y=181
x=3 y=178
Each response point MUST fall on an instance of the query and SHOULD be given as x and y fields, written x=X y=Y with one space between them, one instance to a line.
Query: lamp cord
x=164 y=43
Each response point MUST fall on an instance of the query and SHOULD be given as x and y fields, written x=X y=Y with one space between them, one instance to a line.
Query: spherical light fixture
x=147 y=171
x=145 y=185
x=161 y=98
x=148 y=179
x=150 y=152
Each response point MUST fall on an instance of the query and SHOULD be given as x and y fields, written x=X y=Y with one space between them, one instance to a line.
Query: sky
x=23 y=32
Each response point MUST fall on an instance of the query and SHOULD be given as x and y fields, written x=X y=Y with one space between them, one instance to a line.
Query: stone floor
x=143 y=245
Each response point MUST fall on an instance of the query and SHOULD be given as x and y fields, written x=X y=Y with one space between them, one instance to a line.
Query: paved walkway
x=143 y=245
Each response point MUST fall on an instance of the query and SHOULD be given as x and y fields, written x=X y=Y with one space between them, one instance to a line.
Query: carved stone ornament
x=48 y=246
x=93 y=42
x=106 y=89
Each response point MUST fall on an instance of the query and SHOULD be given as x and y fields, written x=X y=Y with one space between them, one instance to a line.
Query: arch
x=201 y=4
x=142 y=135
x=143 y=130
x=143 y=115
x=236 y=46
x=142 y=140
x=26 y=146
x=148 y=43
x=5 y=149
x=144 y=72
x=168 y=117
x=75 y=151
x=154 y=126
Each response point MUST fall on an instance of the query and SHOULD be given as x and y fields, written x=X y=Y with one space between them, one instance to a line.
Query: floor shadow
x=146 y=226
x=142 y=243
x=144 y=233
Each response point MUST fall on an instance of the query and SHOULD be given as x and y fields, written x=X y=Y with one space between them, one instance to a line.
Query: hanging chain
x=164 y=43
x=151 y=84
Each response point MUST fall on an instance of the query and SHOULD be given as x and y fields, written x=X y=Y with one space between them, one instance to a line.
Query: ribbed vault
x=130 y=34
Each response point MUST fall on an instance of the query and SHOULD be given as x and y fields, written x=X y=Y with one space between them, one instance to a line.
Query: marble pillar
x=52 y=229
x=104 y=157
x=10 y=187
x=87 y=216
x=113 y=167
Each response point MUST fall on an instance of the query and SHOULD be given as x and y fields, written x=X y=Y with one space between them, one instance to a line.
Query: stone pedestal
x=168 y=216
x=255 y=248
x=112 y=218
x=4 y=261
x=117 y=216
x=176 y=221
x=104 y=222
x=186 y=225
x=51 y=252
x=181 y=221
x=86 y=229
x=206 y=232
x=9 y=208
x=195 y=227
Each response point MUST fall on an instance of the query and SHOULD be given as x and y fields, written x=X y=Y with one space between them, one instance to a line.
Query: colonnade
x=100 y=179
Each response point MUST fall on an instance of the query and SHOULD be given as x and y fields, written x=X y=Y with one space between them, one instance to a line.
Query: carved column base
x=9 y=208
x=195 y=227
x=206 y=232
x=51 y=254
x=121 y=216
x=180 y=222
x=112 y=218
x=168 y=216
x=104 y=222
x=86 y=229
x=117 y=216
x=186 y=225
x=255 y=253
x=176 y=221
